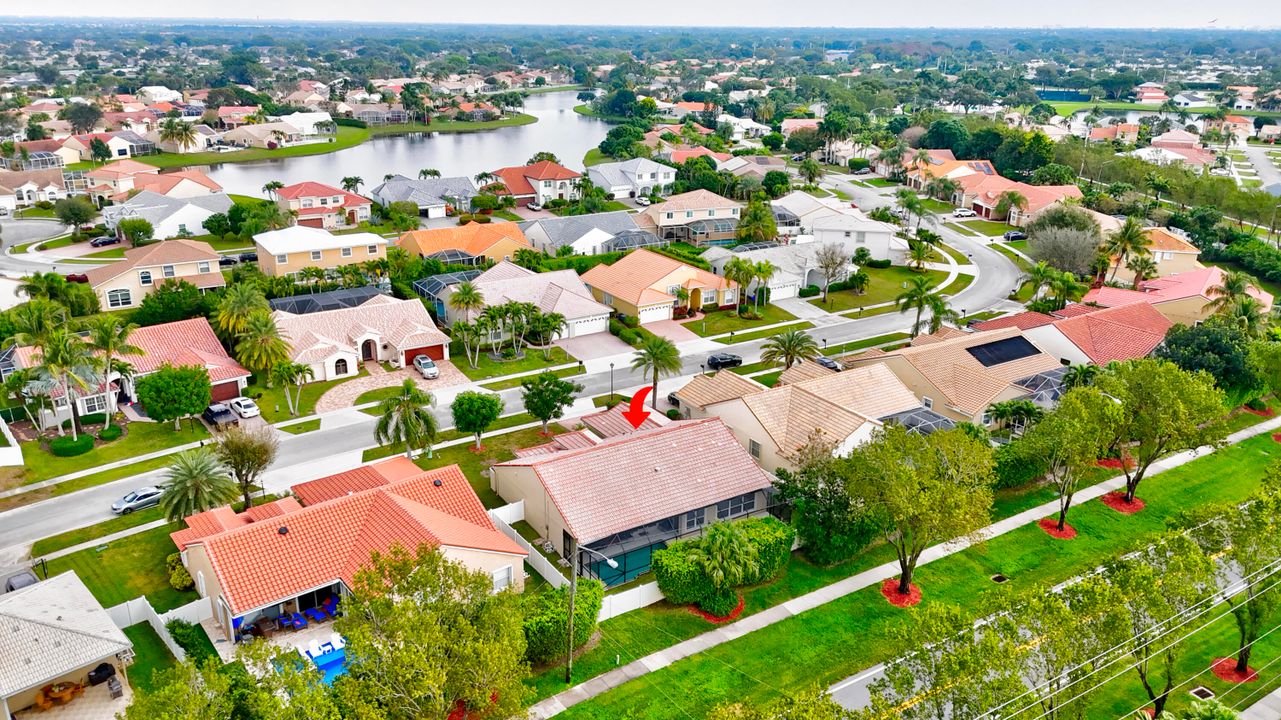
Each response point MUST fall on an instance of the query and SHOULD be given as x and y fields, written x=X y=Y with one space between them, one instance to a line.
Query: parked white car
x=245 y=407
x=642 y=201
x=964 y=212
x=427 y=367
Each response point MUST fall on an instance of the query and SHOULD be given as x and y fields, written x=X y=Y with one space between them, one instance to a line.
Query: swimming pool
x=333 y=664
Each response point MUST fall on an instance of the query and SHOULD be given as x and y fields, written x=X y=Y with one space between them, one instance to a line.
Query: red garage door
x=435 y=352
x=224 y=392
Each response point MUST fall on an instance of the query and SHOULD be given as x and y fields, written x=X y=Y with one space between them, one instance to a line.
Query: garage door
x=654 y=314
x=435 y=352
x=589 y=326
x=780 y=292
x=224 y=391
x=315 y=222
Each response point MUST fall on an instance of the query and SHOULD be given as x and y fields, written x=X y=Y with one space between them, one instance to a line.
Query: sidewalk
x=661 y=659
x=1268 y=708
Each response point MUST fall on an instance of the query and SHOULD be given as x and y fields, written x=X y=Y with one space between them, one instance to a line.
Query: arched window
x=340 y=366
x=120 y=297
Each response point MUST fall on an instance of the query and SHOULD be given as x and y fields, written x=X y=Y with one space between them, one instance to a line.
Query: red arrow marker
x=636 y=412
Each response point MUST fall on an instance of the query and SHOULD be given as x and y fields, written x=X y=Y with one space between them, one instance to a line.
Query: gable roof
x=703 y=390
x=472 y=238
x=631 y=277
x=611 y=423
x=639 y=478
x=562 y=231
x=162 y=183
x=1119 y=333
x=301 y=190
x=257 y=564
x=51 y=629
x=166 y=252
x=559 y=291
x=516 y=179
x=301 y=238
x=1194 y=283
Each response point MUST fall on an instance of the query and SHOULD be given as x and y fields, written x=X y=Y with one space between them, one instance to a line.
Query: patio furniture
x=298 y=621
x=42 y=700
x=114 y=687
x=102 y=673
x=330 y=605
x=337 y=641
x=313 y=649
x=316 y=614
x=63 y=692
x=262 y=627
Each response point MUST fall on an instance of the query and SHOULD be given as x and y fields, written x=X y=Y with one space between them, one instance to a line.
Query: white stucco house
x=632 y=178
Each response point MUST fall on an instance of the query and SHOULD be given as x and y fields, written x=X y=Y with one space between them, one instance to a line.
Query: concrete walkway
x=1268 y=708
x=661 y=659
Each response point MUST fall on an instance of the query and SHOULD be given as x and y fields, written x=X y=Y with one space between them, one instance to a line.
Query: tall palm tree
x=406 y=418
x=1008 y=201
x=1080 y=375
x=67 y=362
x=725 y=555
x=1066 y=288
x=351 y=183
x=110 y=338
x=484 y=178
x=182 y=134
x=1234 y=286
x=1143 y=267
x=292 y=373
x=763 y=272
x=260 y=345
x=467 y=299
x=657 y=357
x=270 y=189
x=46 y=285
x=1125 y=240
x=239 y=302
x=895 y=156
x=1039 y=276
x=789 y=348
x=34 y=320
x=196 y=482
x=1248 y=313
x=1157 y=184
x=918 y=297
x=428 y=173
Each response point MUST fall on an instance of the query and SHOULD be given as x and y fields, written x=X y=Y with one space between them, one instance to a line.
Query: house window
x=736 y=506
x=695 y=518
x=861 y=238
x=672 y=289
x=754 y=448
x=372 y=249
x=669 y=216
x=324 y=202
x=987 y=418
x=144 y=277
x=307 y=202
x=928 y=403
x=120 y=297
x=315 y=255
x=202 y=267
x=502 y=578
x=346 y=252
x=736 y=211
x=282 y=259
x=95 y=404
x=168 y=271
x=847 y=233
x=689 y=213
x=340 y=366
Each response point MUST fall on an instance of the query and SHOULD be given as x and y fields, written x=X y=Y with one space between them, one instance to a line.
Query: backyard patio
x=95 y=702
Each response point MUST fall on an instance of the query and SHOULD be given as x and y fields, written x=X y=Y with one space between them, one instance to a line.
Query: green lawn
x=377 y=395
x=1013 y=256
x=346 y=137
x=753 y=367
x=589 y=112
x=961 y=229
x=759 y=334
x=882 y=182
x=150 y=655
x=851 y=633
x=719 y=322
x=61 y=242
x=595 y=157
x=489 y=368
x=857 y=345
x=127 y=568
x=271 y=400
x=937 y=206
x=71 y=538
x=884 y=286
x=987 y=227
x=769 y=379
x=34 y=212
x=1067 y=108
x=508 y=215
x=305 y=426
x=142 y=438
x=955 y=254
x=114 y=253
x=497 y=449
x=516 y=382
x=961 y=282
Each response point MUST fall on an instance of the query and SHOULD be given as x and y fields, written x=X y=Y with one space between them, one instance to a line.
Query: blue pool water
x=333 y=664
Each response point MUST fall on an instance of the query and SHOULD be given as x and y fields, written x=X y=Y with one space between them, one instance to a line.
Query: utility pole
x=573 y=590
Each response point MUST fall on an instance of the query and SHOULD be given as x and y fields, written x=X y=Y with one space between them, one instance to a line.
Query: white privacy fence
x=507 y=515
x=624 y=602
x=139 y=610
x=10 y=454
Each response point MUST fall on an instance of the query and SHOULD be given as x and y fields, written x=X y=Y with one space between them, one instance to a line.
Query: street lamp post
x=573 y=591
x=611 y=382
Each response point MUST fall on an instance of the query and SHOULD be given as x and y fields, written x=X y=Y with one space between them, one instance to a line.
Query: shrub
x=879 y=264
x=108 y=434
x=1014 y=467
x=350 y=122
x=615 y=327
x=66 y=446
x=684 y=584
x=547 y=614
x=679 y=580
x=674 y=414
x=773 y=541
x=810 y=291
x=1257 y=404
x=180 y=579
x=629 y=336
x=482 y=219
x=630 y=321
x=859 y=163
x=188 y=637
x=719 y=604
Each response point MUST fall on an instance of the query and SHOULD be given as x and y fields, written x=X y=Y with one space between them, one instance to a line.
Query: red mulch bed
x=1114 y=463
x=1276 y=436
x=1266 y=412
x=889 y=589
x=1225 y=670
x=733 y=615
x=477 y=450
x=1051 y=527
x=1116 y=501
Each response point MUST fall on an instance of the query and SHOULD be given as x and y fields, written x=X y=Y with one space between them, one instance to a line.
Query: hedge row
x=810 y=291
x=350 y=122
x=547 y=614
x=1015 y=467
x=67 y=446
x=684 y=584
x=1255 y=256
x=684 y=257
x=187 y=636
x=108 y=434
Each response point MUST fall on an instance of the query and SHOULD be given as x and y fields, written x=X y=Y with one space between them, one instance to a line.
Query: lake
x=559 y=129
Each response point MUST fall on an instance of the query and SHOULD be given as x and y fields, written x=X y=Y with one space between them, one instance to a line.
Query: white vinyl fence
x=10 y=454
x=139 y=610
x=504 y=517
x=628 y=600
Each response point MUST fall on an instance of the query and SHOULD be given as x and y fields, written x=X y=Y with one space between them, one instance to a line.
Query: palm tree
x=740 y=271
x=1066 y=288
x=1157 y=184
x=943 y=188
x=67 y=362
x=725 y=555
x=1127 y=239
x=292 y=373
x=657 y=357
x=909 y=202
x=858 y=281
x=916 y=297
x=1039 y=276
x=271 y=188
x=110 y=338
x=941 y=312
x=196 y=482
x=428 y=173
x=182 y=134
x=763 y=272
x=484 y=178
x=260 y=345
x=1080 y=375
x=1143 y=267
x=1010 y=200
x=239 y=302
x=1234 y=286
x=918 y=253
x=810 y=170
x=46 y=285
x=406 y=418
x=789 y=348
x=351 y=183
x=1248 y=313
x=34 y=320
x=894 y=156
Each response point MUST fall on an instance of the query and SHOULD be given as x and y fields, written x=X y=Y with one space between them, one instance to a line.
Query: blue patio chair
x=316 y=614
x=298 y=621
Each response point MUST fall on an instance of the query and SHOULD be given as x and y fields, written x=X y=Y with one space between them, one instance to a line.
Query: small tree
x=656 y=357
x=833 y=263
x=546 y=396
x=727 y=558
x=173 y=393
x=831 y=524
x=474 y=412
x=406 y=418
x=171 y=301
x=247 y=453
x=790 y=347
x=138 y=231
x=74 y=211
x=1071 y=439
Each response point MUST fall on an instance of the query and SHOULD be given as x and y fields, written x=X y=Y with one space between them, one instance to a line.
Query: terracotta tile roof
x=516 y=179
x=1074 y=309
x=165 y=252
x=257 y=564
x=1194 y=283
x=703 y=390
x=611 y=423
x=679 y=157
x=1120 y=333
x=472 y=238
x=635 y=277
x=315 y=189
x=565 y=441
x=164 y=182
x=220 y=520
x=1167 y=241
x=802 y=371
x=944 y=333
x=1023 y=321
x=405 y=324
x=636 y=479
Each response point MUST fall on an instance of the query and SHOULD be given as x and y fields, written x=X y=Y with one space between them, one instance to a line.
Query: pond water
x=559 y=129
x=1133 y=116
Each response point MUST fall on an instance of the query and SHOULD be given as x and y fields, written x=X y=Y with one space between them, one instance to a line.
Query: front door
x=368 y=350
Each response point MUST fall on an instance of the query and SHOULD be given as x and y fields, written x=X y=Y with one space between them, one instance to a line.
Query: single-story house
x=264 y=135
x=284 y=557
x=469 y=244
x=1182 y=298
x=632 y=178
x=288 y=250
x=55 y=633
x=588 y=234
x=170 y=217
x=20 y=188
x=791 y=125
x=631 y=494
x=755 y=166
x=324 y=206
x=1126 y=133
x=433 y=196
x=123 y=284
x=646 y=285
x=559 y=291
x=743 y=127
x=381 y=329
x=1170 y=249
x=1082 y=334
x=121 y=144
x=310 y=124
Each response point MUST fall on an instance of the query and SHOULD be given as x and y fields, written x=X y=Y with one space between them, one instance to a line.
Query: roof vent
x=283 y=530
x=437 y=482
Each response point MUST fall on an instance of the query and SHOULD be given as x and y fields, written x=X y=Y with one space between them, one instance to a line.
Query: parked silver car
x=137 y=500
x=426 y=367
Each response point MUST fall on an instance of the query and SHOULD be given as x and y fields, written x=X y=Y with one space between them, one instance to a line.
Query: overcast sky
x=684 y=13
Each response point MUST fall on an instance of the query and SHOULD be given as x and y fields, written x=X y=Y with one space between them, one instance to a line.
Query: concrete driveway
x=672 y=330
x=590 y=347
x=345 y=394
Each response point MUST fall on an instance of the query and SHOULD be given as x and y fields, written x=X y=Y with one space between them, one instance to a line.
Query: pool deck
x=295 y=639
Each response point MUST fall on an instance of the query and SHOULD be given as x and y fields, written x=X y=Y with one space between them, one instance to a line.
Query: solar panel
x=1002 y=351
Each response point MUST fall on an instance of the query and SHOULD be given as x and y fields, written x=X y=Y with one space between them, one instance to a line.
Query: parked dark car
x=249 y=257
x=828 y=363
x=720 y=361
x=219 y=416
x=21 y=580
x=863 y=171
x=77 y=277
x=673 y=400
x=1016 y=235
x=227 y=261
x=104 y=241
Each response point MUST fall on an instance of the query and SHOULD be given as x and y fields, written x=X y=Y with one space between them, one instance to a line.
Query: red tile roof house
x=1091 y=335
x=189 y=343
x=1127 y=133
x=324 y=206
x=1181 y=298
x=631 y=494
x=539 y=183
x=286 y=557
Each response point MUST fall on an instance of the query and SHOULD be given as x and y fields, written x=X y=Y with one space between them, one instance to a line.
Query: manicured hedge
x=773 y=540
x=1014 y=467
x=687 y=258
x=810 y=291
x=719 y=604
x=90 y=419
x=547 y=614
x=679 y=580
x=879 y=264
x=187 y=636
x=66 y=446
x=350 y=122
x=108 y=434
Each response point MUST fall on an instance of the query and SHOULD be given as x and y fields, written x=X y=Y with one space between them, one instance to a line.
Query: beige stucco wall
x=328 y=259
x=197 y=561
x=488 y=563
x=137 y=291
x=514 y=483
x=1185 y=311
x=747 y=428
x=1177 y=263
x=685 y=217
